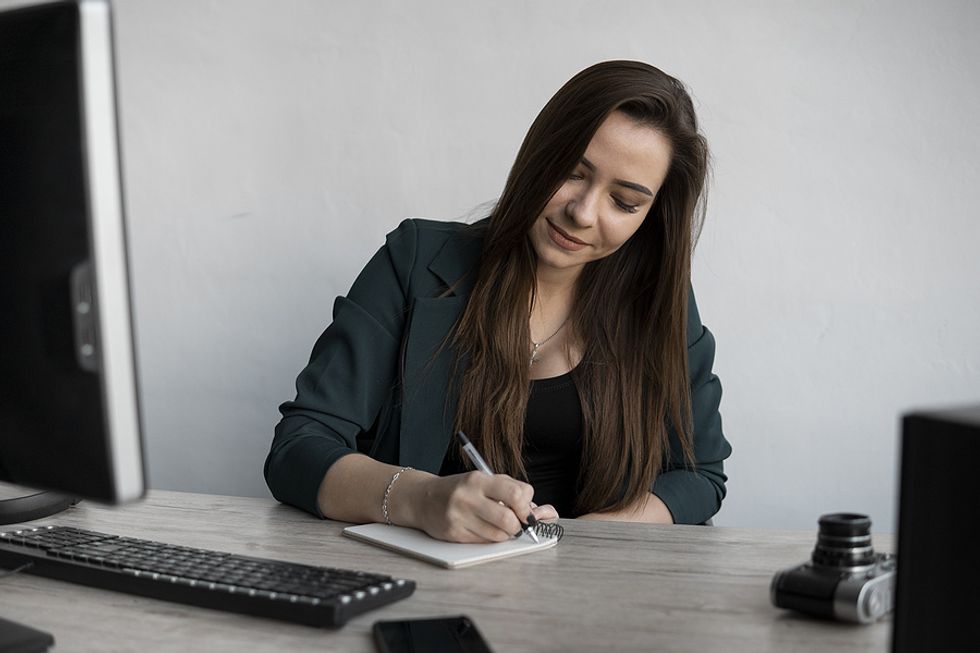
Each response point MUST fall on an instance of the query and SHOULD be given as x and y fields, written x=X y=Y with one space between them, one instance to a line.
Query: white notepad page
x=451 y=555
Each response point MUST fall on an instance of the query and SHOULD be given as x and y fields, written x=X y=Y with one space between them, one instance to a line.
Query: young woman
x=560 y=334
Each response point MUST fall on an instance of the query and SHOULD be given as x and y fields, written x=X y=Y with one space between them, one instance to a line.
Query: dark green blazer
x=378 y=380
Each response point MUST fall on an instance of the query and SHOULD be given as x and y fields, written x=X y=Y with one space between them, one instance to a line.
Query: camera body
x=845 y=579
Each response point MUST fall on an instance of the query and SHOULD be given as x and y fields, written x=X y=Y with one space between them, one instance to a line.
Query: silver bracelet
x=391 y=484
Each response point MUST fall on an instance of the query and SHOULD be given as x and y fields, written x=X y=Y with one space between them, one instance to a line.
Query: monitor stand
x=23 y=639
x=19 y=504
x=27 y=505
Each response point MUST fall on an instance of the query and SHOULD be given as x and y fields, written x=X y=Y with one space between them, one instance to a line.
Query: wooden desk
x=605 y=587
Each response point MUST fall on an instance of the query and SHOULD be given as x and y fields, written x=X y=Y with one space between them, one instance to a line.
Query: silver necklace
x=537 y=345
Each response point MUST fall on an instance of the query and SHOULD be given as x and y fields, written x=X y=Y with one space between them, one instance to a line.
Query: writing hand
x=473 y=507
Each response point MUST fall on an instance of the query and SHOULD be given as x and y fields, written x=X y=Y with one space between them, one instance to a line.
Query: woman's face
x=605 y=199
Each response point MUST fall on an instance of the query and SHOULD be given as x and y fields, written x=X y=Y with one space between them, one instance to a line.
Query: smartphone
x=445 y=634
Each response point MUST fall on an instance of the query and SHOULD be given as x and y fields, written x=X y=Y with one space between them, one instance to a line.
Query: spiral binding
x=549 y=529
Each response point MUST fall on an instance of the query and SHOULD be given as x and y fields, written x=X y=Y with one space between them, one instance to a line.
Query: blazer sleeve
x=350 y=373
x=693 y=495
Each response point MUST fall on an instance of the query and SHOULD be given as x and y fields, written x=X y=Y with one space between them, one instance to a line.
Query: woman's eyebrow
x=621 y=182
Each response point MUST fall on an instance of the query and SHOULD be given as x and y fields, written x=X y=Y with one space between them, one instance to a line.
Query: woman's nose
x=583 y=208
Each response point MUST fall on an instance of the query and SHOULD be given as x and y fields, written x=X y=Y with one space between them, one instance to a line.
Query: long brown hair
x=630 y=310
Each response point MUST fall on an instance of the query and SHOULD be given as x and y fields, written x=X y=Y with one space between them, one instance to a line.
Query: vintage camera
x=845 y=579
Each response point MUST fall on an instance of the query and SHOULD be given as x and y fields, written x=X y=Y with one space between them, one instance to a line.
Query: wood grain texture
x=605 y=587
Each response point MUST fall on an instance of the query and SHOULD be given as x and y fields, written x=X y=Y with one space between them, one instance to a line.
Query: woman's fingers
x=485 y=525
x=478 y=507
x=481 y=508
x=514 y=495
x=545 y=513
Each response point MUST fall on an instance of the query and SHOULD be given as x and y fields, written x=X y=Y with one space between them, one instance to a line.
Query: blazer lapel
x=428 y=398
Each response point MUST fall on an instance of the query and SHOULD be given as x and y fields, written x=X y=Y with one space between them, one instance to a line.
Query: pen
x=482 y=465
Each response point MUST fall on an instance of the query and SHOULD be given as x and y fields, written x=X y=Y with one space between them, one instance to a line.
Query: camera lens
x=844 y=542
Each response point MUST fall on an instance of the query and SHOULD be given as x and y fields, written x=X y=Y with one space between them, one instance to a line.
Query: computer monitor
x=69 y=410
x=936 y=586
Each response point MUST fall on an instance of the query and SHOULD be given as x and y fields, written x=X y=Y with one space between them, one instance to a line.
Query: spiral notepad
x=549 y=529
x=453 y=555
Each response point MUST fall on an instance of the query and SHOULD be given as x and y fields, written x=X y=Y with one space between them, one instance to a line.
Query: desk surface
x=605 y=587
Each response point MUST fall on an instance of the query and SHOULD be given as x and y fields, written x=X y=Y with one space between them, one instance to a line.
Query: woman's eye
x=575 y=177
x=623 y=206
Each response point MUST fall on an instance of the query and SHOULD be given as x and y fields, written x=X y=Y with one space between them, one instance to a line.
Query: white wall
x=269 y=146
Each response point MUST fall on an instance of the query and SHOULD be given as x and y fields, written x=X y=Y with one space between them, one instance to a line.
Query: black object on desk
x=18 y=638
x=316 y=596
x=443 y=634
x=939 y=507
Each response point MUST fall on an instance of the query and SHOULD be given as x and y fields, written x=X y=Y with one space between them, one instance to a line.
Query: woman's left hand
x=546 y=512
x=650 y=509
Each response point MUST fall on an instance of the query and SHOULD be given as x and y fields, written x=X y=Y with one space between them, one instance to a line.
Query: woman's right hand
x=469 y=507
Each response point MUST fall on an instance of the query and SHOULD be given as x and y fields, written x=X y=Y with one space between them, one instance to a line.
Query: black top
x=552 y=443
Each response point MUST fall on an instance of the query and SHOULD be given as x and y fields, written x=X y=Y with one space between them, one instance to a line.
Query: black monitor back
x=69 y=415
x=939 y=509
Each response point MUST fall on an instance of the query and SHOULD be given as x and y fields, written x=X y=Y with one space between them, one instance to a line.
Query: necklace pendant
x=534 y=351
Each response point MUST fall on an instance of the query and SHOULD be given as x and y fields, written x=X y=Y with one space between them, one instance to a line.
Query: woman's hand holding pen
x=471 y=507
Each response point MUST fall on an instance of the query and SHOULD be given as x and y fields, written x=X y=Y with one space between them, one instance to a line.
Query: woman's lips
x=563 y=240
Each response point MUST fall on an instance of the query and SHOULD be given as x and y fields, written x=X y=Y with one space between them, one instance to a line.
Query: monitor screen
x=69 y=414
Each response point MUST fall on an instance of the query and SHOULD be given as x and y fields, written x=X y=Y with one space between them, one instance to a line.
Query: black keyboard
x=316 y=596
